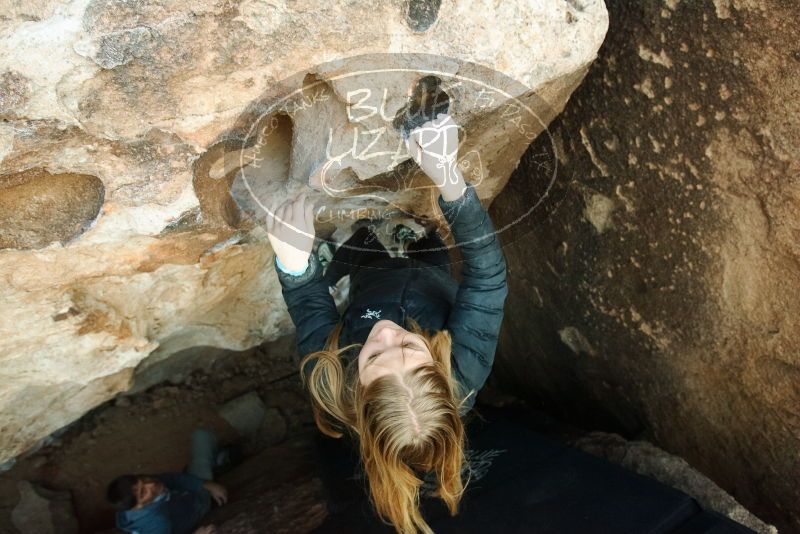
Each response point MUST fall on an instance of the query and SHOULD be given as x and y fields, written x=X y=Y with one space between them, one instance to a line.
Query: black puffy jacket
x=398 y=288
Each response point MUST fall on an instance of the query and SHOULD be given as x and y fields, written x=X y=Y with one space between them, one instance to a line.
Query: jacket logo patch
x=372 y=314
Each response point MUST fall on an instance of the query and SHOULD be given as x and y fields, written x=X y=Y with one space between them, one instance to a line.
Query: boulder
x=245 y=413
x=654 y=293
x=140 y=142
x=43 y=511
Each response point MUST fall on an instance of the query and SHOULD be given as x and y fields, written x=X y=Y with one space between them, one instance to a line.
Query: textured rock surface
x=276 y=491
x=662 y=302
x=144 y=107
x=42 y=511
x=37 y=208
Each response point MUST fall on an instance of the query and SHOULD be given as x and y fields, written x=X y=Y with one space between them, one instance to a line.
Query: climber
x=171 y=503
x=402 y=365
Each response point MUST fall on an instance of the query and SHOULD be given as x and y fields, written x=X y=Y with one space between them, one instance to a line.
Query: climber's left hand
x=434 y=146
x=290 y=228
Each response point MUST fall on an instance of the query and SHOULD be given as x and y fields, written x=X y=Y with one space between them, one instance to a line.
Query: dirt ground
x=149 y=432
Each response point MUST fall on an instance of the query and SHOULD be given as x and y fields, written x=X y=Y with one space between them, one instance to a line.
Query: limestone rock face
x=658 y=292
x=139 y=140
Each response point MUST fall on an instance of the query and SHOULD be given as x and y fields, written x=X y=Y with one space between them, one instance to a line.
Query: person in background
x=170 y=503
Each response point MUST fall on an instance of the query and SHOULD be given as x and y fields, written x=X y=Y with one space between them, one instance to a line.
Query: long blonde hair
x=405 y=424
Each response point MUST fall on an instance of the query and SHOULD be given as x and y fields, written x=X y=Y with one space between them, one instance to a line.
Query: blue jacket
x=471 y=311
x=178 y=511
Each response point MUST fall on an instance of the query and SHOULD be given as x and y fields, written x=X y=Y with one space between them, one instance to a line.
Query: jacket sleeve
x=477 y=313
x=310 y=305
x=181 y=481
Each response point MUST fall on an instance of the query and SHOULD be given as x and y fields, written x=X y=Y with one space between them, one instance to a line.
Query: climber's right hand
x=208 y=529
x=290 y=228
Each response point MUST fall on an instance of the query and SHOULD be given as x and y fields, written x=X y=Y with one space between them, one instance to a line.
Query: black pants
x=364 y=248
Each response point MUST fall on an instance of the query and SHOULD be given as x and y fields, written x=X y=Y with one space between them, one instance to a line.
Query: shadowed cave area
x=646 y=376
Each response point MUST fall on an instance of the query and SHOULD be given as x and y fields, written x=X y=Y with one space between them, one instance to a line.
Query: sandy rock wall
x=657 y=291
x=125 y=125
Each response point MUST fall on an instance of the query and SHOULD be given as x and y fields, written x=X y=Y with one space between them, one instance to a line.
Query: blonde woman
x=403 y=363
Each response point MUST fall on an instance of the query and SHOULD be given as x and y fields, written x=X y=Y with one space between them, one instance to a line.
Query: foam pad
x=522 y=481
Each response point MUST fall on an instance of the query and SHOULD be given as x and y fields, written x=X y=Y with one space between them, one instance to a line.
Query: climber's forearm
x=453 y=187
x=310 y=306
